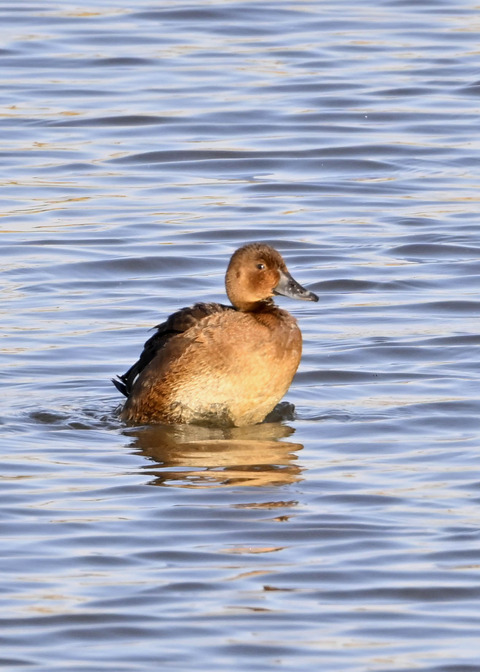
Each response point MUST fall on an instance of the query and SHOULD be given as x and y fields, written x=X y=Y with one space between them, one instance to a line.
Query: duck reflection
x=193 y=456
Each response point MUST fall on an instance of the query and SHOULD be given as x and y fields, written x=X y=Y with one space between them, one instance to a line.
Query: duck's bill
x=287 y=286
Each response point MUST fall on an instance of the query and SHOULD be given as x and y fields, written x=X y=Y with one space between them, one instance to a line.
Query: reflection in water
x=187 y=455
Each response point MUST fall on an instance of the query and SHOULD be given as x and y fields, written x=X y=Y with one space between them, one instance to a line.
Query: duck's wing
x=177 y=323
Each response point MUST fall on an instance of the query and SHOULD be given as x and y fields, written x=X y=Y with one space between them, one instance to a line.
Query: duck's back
x=228 y=368
x=177 y=323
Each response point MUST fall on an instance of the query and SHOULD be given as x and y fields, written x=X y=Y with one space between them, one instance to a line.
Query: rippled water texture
x=141 y=144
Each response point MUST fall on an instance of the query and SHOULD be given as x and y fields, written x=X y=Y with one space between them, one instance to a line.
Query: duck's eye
x=261 y=267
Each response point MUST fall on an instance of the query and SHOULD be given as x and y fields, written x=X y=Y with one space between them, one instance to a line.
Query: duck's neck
x=265 y=305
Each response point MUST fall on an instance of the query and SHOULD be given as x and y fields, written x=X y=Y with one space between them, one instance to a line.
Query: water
x=142 y=143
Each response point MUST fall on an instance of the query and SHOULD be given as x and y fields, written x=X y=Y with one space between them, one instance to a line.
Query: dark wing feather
x=177 y=323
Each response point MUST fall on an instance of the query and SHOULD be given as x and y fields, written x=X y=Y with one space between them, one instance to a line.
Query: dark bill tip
x=287 y=286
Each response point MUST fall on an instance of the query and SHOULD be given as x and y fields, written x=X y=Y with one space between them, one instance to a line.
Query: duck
x=221 y=365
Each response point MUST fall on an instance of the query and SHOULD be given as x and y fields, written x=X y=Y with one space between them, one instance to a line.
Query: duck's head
x=257 y=272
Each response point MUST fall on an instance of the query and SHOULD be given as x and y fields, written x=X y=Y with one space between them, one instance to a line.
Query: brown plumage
x=221 y=365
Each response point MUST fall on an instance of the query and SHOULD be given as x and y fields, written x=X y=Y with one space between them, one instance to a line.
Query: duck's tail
x=119 y=383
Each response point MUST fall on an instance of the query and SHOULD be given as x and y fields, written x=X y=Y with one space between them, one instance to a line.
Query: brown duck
x=213 y=364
